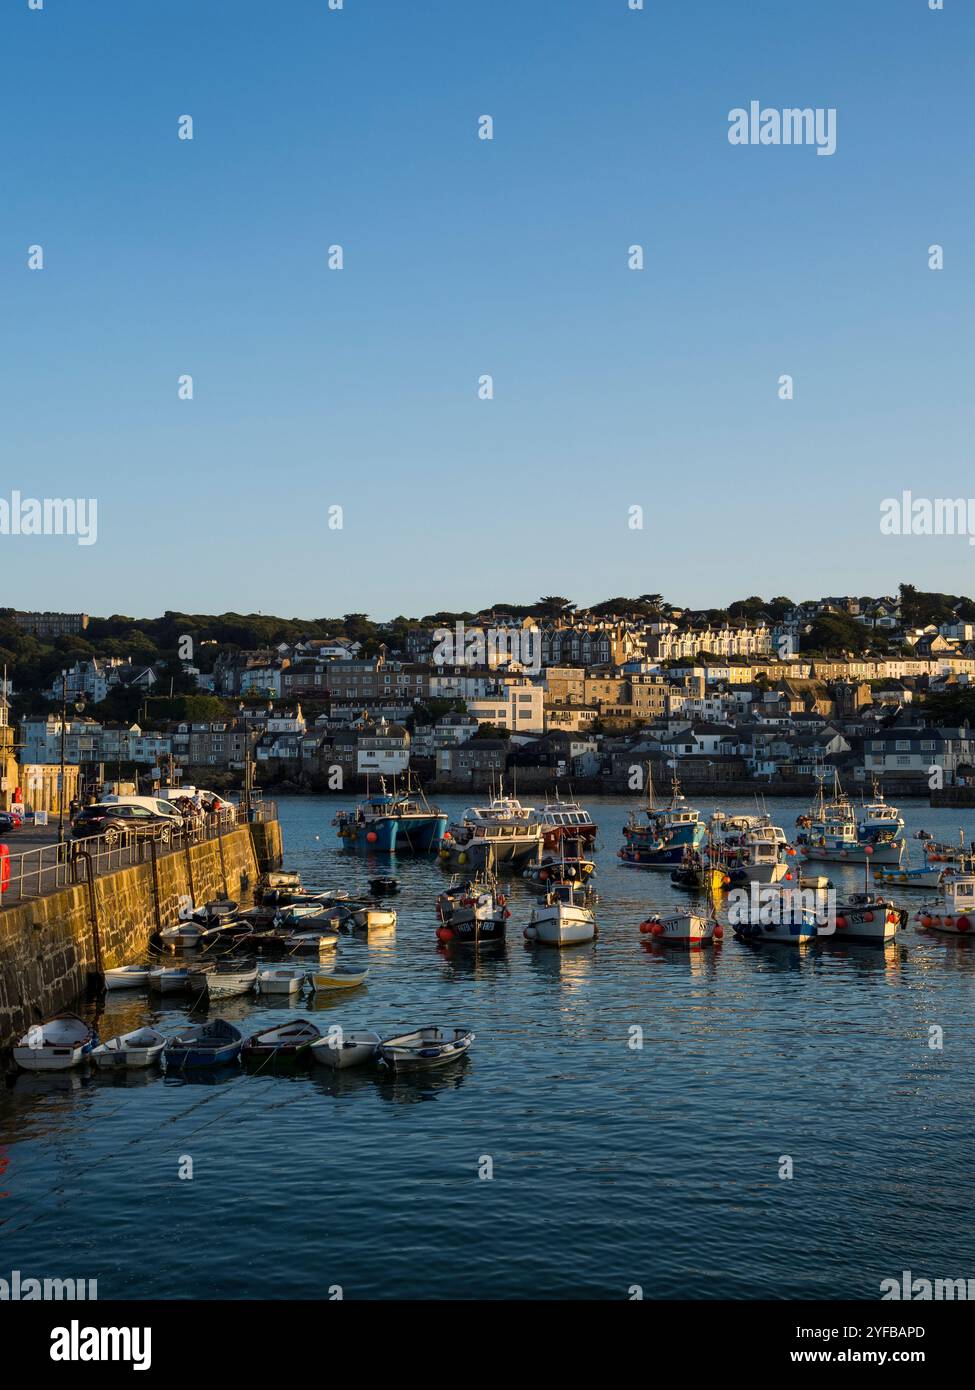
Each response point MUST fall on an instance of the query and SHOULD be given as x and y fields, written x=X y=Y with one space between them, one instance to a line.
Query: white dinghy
x=56 y=1044
x=137 y=1049
x=128 y=977
x=424 y=1048
x=340 y=1048
x=280 y=980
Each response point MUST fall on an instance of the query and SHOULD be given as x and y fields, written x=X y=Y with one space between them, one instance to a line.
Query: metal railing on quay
x=36 y=872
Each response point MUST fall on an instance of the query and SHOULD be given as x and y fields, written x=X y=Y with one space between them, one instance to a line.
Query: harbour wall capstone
x=51 y=946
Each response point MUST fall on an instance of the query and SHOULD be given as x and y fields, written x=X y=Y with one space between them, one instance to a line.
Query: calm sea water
x=612 y=1166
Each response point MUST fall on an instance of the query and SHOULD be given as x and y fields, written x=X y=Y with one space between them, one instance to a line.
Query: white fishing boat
x=337 y=977
x=280 y=981
x=128 y=977
x=137 y=1049
x=682 y=928
x=953 y=910
x=220 y=982
x=565 y=917
x=868 y=917
x=342 y=1048
x=174 y=979
x=56 y=1044
x=424 y=1048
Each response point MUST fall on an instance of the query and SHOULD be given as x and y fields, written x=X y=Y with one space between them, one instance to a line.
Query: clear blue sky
x=358 y=388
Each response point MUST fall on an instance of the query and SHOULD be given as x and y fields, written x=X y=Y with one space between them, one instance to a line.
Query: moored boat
x=560 y=820
x=565 y=917
x=341 y=1048
x=56 y=1044
x=139 y=1048
x=286 y=1040
x=127 y=977
x=953 y=910
x=868 y=917
x=370 y=917
x=337 y=977
x=668 y=835
x=473 y=912
x=203 y=1045
x=424 y=1048
x=682 y=928
x=173 y=979
x=220 y=982
x=280 y=980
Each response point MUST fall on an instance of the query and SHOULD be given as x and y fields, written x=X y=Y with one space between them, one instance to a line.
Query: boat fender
x=964 y=924
x=502 y=900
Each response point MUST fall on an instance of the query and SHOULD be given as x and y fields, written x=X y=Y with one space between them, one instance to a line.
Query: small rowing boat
x=137 y=1049
x=221 y=983
x=424 y=1048
x=203 y=1045
x=127 y=977
x=337 y=977
x=288 y=1040
x=173 y=979
x=56 y=1044
x=280 y=981
x=341 y=1048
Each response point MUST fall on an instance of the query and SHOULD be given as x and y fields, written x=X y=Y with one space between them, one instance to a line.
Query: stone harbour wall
x=49 y=946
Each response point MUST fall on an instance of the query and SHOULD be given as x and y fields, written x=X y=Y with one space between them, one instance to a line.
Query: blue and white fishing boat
x=203 y=1045
x=837 y=831
x=671 y=833
x=388 y=823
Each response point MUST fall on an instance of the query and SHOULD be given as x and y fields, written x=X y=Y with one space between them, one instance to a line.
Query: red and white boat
x=564 y=820
x=682 y=928
x=953 y=910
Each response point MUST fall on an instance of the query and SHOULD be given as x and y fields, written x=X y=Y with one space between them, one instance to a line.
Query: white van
x=174 y=794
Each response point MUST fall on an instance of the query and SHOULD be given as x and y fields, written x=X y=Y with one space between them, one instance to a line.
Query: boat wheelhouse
x=953 y=910
x=564 y=820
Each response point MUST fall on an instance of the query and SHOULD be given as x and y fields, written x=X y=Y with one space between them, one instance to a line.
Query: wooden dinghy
x=203 y=1045
x=56 y=1044
x=285 y=1041
x=137 y=1049
x=424 y=1048
x=337 y=977
x=128 y=977
x=342 y=1048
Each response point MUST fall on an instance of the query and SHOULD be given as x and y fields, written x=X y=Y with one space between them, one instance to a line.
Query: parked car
x=9 y=820
x=118 y=821
x=156 y=804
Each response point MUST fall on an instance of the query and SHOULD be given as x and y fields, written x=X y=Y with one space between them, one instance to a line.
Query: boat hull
x=355 y=1049
x=561 y=925
x=854 y=854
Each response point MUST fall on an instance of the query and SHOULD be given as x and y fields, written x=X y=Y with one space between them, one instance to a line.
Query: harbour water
x=613 y=1166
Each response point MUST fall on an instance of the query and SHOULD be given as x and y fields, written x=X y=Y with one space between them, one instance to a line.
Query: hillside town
x=767 y=696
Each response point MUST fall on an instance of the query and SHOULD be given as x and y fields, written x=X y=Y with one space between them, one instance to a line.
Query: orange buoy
x=926 y=921
x=840 y=923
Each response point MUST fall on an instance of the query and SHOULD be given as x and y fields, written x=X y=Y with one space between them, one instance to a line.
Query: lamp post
x=79 y=706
